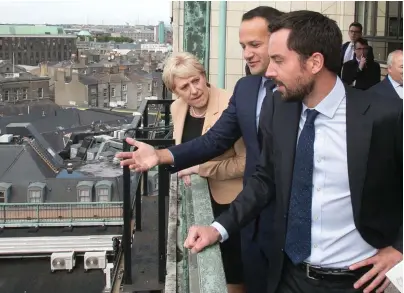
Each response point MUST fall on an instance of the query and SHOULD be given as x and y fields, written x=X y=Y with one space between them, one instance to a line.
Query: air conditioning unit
x=63 y=261
x=95 y=260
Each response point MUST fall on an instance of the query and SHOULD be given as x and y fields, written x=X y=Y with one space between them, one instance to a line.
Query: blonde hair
x=182 y=65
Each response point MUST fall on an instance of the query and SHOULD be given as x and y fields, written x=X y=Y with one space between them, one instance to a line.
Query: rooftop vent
x=6 y=138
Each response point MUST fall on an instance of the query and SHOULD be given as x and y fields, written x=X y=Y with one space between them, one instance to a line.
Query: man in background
x=392 y=85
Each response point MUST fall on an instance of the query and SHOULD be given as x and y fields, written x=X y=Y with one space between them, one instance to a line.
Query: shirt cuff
x=222 y=231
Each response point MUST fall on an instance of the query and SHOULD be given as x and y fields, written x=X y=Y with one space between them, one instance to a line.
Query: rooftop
x=32 y=30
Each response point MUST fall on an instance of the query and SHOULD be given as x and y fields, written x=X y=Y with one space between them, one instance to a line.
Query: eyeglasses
x=361 y=49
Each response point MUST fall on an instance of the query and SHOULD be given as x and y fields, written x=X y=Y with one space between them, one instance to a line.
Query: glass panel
x=381 y=19
x=392 y=20
x=379 y=50
x=370 y=17
x=360 y=12
x=84 y=196
x=35 y=196
x=103 y=198
x=102 y=191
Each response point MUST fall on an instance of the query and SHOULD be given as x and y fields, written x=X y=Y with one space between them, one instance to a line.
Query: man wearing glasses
x=362 y=72
x=348 y=49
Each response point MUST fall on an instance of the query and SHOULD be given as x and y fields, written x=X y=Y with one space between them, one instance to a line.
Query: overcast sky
x=85 y=11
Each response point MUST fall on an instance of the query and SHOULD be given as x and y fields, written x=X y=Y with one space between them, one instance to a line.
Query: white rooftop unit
x=16 y=246
x=6 y=138
x=63 y=261
x=95 y=260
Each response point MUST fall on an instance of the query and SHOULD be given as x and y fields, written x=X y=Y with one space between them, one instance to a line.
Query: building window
x=155 y=83
x=103 y=195
x=124 y=87
x=105 y=92
x=35 y=196
x=149 y=87
x=113 y=92
x=125 y=97
x=139 y=97
x=382 y=25
x=2 y=197
x=6 y=95
x=84 y=195
x=139 y=86
x=93 y=91
x=25 y=94
x=40 y=93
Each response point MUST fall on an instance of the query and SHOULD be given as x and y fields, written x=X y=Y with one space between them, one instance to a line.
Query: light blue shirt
x=396 y=86
x=336 y=242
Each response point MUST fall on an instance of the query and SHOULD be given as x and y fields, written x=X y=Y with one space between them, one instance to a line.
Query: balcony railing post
x=163 y=193
x=127 y=219
x=138 y=207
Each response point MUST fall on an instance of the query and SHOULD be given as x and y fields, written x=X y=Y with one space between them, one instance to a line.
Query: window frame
x=80 y=195
x=35 y=191
x=386 y=39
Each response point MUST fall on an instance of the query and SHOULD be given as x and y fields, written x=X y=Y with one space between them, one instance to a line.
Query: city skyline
x=117 y=12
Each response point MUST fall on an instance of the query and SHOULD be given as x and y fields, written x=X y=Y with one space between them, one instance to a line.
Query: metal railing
x=60 y=214
x=133 y=209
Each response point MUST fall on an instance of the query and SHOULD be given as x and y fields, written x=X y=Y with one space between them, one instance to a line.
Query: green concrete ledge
x=201 y=273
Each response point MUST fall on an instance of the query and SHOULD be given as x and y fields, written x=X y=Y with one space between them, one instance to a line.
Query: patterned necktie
x=269 y=87
x=298 y=235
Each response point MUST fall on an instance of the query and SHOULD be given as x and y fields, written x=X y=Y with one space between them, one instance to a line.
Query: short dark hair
x=312 y=32
x=266 y=12
x=356 y=24
x=362 y=41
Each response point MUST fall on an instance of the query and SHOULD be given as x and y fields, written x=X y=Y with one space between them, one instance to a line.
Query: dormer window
x=85 y=191
x=5 y=192
x=36 y=192
x=103 y=191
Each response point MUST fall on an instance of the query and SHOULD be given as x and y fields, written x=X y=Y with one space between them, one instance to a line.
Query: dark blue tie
x=298 y=235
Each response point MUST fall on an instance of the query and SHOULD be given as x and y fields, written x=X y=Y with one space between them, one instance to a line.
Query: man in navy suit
x=240 y=119
x=392 y=85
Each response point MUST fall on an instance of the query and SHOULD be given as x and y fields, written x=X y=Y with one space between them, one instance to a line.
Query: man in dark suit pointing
x=331 y=165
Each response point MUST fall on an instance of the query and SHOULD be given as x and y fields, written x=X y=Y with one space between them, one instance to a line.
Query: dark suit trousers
x=295 y=280
x=255 y=264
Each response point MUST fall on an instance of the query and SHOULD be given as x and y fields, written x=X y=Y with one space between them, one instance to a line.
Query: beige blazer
x=224 y=173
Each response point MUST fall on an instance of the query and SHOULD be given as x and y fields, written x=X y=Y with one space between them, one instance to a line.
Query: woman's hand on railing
x=185 y=174
x=200 y=237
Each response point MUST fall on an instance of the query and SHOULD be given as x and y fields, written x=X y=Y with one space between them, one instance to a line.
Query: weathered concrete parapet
x=186 y=273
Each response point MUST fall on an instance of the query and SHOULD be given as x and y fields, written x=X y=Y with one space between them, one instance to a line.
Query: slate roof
x=64 y=118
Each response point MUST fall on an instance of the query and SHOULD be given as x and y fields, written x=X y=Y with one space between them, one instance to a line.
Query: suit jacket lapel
x=212 y=110
x=286 y=130
x=180 y=116
x=358 y=136
x=251 y=105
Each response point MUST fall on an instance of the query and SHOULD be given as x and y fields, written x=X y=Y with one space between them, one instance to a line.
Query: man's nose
x=248 y=54
x=270 y=73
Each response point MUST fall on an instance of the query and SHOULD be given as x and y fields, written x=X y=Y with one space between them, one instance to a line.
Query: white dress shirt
x=397 y=87
x=336 y=243
x=349 y=52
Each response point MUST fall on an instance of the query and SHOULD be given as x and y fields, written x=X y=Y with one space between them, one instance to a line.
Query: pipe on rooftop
x=222 y=44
